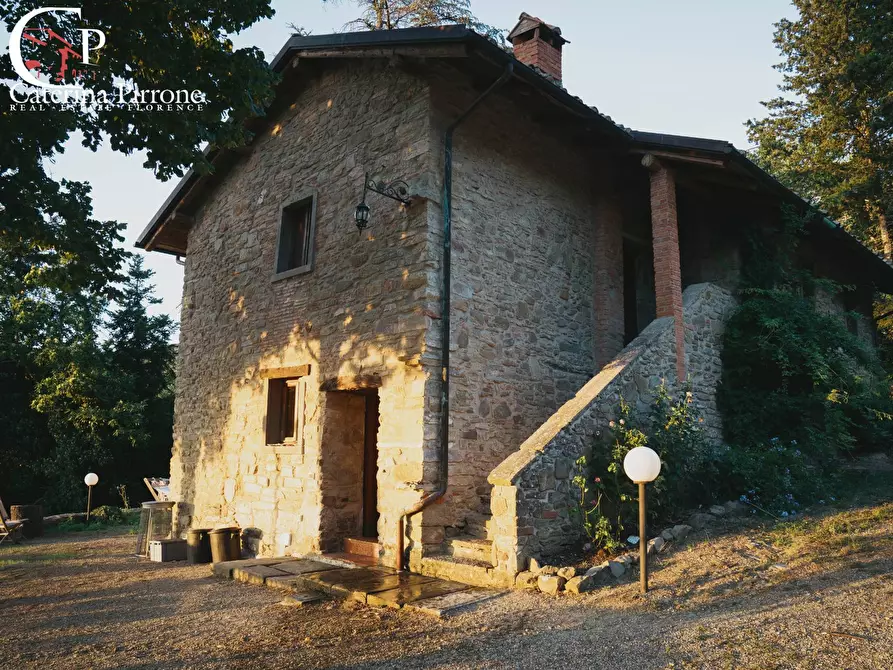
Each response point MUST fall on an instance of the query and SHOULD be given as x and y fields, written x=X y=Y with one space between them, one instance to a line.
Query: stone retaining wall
x=532 y=491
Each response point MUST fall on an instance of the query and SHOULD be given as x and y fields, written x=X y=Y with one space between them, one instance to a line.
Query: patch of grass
x=836 y=535
x=103 y=519
x=21 y=558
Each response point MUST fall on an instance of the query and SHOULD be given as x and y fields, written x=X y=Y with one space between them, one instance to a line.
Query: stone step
x=362 y=546
x=472 y=548
x=466 y=571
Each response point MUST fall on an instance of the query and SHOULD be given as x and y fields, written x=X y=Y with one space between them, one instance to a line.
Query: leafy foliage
x=608 y=500
x=393 y=14
x=73 y=400
x=798 y=389
x=829 y=136
x=84 y=404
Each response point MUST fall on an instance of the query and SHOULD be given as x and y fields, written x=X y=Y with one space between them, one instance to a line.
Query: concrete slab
x=453 y=603
x=256 y=574
x=301 y=599
x=286 y=583
x=412 y=590
x=303 y=567
x=344 y=581
x=225 y=568
x=368 y=587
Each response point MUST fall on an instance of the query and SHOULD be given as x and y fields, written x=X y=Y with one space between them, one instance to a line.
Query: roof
x=374 y=42
x=821 y=224
x=718 y=153
x=526 y=23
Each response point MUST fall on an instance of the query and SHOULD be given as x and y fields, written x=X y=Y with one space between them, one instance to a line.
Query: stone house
x=317 y=406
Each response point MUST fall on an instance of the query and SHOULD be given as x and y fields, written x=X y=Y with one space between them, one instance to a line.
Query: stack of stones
x=552 y=580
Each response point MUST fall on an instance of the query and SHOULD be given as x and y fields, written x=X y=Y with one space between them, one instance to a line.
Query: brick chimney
x=538 y=45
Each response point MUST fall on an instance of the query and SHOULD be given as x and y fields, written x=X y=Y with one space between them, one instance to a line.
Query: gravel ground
x=731 y=599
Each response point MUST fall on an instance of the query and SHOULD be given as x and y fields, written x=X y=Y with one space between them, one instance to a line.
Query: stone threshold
x=305 y=581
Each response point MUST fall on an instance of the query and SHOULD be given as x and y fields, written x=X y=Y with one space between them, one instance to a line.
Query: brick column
x=667 y=266
x=608 y=280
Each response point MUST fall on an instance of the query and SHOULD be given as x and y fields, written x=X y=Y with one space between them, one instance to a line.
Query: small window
x=285 y=411
x=294 y=254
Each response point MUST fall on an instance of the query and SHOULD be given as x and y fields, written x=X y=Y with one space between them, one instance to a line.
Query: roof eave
x=390 y=38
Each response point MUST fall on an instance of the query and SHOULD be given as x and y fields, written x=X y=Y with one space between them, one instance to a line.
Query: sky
x=686 y=67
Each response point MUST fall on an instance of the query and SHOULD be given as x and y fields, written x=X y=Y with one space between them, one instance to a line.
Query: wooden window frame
x=301 y=198
x=275 y=419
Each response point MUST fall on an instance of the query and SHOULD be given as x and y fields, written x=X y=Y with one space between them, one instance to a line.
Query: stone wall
x=361 y=316
x=532 y=491
x=523 y=260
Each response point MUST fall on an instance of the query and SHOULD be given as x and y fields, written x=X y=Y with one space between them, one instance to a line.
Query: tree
x=830 y=135
x=394 y=14
x=70 y=400
x=97 y=395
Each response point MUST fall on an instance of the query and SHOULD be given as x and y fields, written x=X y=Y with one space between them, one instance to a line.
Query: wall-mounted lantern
x=396 y=190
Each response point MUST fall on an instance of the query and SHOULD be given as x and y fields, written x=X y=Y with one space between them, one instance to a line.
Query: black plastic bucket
x=198 y=545
x=225 y=544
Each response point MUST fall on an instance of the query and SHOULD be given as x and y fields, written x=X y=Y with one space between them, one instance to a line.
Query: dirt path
x=744 y=600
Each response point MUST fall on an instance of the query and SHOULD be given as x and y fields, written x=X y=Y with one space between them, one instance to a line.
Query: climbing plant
x=798 y=389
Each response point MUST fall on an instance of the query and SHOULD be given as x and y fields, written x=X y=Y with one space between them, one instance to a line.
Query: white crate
x=162 y=551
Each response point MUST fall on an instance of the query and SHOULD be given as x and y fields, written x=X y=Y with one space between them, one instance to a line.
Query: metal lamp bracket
x=395 y=190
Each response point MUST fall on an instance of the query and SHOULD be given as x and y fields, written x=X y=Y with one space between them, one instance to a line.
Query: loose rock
x=667 y=534
x=656 y=545
x=526 y=580
x=681 y=532
x=596 y=570
x=717 y=510
x=700 y=520
x=534 y=566
x=550 y=584
x=580 y=584
x=548 y=570
x=617 y=569
x=736 y=508
x=568 y=573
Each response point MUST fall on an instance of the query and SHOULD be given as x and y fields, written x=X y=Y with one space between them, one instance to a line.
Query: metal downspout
x=447 y=206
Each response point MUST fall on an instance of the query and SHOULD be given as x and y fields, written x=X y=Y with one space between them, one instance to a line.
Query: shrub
x=798 y=390
x=608 y=500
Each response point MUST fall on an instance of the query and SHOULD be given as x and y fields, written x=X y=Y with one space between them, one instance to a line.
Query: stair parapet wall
x=532 y=491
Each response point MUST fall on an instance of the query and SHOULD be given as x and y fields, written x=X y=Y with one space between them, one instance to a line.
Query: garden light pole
x=90 y=480
x=642 y=465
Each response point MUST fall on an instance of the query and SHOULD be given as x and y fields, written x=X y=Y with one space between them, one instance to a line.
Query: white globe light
x=91 y=479
x=641 y=464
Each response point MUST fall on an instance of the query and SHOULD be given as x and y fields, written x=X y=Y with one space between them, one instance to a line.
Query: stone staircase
x=468 y=558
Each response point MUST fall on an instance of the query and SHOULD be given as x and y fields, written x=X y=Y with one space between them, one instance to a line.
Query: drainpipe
x=446 y=205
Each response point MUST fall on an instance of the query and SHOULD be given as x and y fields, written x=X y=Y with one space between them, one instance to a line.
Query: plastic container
x=163 y=551
x=225 y=544
x=198 y=545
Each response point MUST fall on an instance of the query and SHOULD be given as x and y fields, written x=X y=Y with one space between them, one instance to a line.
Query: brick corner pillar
x=667 y=266
x=608 y=280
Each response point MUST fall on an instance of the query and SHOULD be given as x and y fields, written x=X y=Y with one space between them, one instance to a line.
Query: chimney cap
x=527 y=23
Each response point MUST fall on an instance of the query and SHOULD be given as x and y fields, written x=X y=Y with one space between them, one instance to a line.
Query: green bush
x=108 y=515
x=798 y=391
x=608 y=500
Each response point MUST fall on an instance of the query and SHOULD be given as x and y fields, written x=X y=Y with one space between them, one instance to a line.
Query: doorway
x=370 y=467
x=639 y=306
x=349 y=468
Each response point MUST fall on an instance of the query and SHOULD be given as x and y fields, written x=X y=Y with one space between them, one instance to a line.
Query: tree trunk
x=885 y=236
x=33 y=527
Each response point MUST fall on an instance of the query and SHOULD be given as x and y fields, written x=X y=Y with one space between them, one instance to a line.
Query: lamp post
x=642 y=465
x=90 y=480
